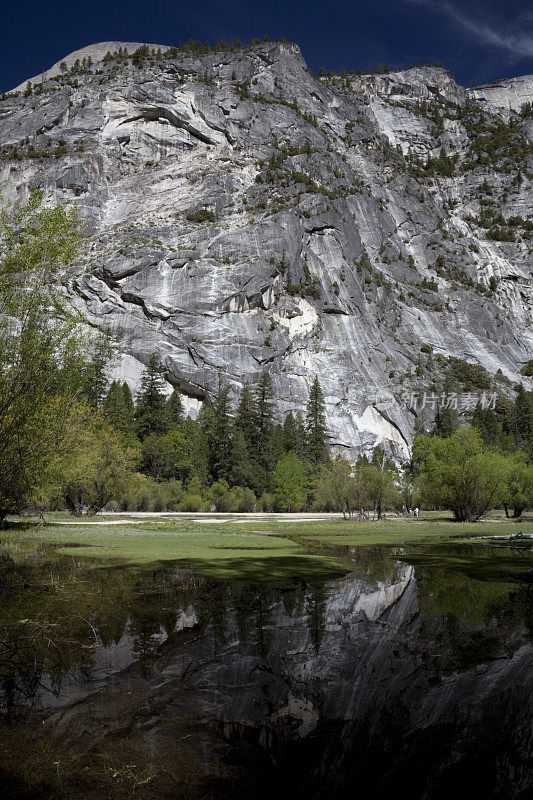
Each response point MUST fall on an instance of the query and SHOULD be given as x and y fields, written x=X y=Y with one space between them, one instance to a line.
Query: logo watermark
x=382 y=399
x=418 y=401
x=467 y=401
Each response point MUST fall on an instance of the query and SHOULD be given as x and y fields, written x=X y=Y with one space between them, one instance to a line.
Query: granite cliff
x=242 y=214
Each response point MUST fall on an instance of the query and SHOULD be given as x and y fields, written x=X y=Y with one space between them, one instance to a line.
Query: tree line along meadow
x=72 y=440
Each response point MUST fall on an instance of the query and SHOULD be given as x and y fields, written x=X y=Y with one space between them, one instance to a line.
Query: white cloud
x=517 y=43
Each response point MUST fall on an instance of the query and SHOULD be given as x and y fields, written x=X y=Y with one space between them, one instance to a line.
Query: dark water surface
x=410 y=674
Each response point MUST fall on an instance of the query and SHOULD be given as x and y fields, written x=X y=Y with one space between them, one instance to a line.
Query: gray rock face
x=95 y=52
x=510 y=94
x=229 y=199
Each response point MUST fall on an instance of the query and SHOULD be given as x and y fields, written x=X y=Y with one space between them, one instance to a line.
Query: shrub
x=497 y=234
x=241 y=499
x=429 y=285
x=231 y=500
x=145 y=494
x=266 y=502
x=203 y=215
x=472 y=377
x=191 y=502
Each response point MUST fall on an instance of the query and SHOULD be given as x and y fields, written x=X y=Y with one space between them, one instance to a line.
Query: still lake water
x=410 y=673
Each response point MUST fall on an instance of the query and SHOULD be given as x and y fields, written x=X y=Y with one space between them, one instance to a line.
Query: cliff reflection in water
x=394 y=675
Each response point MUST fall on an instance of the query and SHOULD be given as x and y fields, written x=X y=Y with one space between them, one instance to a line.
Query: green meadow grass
x=221 y=551
x=253 y=549
x=397 y=531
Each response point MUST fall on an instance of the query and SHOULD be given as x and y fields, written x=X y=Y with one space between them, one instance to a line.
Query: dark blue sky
x=481 y=40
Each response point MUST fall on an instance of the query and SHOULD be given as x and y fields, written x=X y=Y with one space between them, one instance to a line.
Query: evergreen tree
x=273 y=448
x=167 y=457
x=117 y=410
x=316 y=442
x=446 y=422
x=294 y=434
x=128 y=403
x=490 y=427
x=523 y=420
x=198 y=449
x=242 y=467
x=150 y=411
x=174 y=408
x=246 y=417
x=289 y=433
x=246 y=468
x=420 y=426
x=264 y=396
x=94 y=383
x=505 y=413
x=216 y=422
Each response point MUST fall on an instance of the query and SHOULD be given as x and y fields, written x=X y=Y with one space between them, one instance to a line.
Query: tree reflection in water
x=414 y=670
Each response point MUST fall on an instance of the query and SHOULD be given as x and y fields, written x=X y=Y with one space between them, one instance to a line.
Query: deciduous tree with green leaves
x=42 y=343
x=462 y=474
x=379 y=480
x=91 y=466
x=517 y=491
x=290 y=482
x=339 y=488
